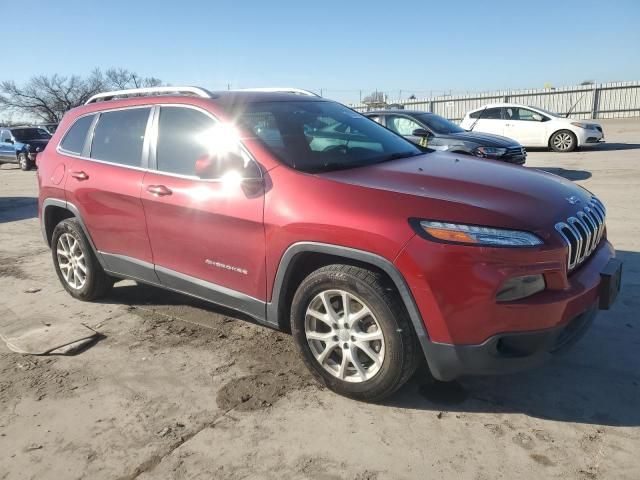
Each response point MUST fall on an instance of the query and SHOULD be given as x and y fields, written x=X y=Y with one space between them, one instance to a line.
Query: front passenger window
x=193 y=144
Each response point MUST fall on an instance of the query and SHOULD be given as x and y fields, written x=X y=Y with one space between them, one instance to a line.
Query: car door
x=525 y=126
x=7 y=149
x=489 y=120
x=103 y=183
x=204 y=208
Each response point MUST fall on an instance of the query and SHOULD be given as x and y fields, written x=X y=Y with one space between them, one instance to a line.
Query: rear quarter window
x=73 y=141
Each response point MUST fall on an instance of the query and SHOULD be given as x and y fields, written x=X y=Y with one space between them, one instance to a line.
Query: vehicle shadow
x=13 y=209
x=596 y=382
x=613 y=146
x=173 y=303
x=610 y=147
x=566 y=173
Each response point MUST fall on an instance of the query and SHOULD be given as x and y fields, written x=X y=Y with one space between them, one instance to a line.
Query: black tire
x=24 y=162
x=97 y=283
x=400 y=344
x=563 y=141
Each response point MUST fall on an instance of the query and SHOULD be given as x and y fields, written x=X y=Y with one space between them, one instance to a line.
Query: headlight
x=518 y=288
x=586 y=126
x=489 y=152
x=477 y=235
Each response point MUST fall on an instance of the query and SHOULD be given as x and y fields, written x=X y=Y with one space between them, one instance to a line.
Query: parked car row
x=438 y=133
x=376 y=254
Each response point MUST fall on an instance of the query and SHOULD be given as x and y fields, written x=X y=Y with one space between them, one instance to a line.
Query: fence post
x=431 y=105
x=596 y=102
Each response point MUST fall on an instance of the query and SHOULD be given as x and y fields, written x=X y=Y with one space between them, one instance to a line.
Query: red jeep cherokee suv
x=310 y=217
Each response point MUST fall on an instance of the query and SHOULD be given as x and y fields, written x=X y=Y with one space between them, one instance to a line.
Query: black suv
x=438 y=133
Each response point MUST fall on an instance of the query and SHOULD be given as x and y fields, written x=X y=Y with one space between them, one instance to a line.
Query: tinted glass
x=178 y=132
x=524 y=114
x=402 y=125
x=73 y=141
x=489 y=113
x=5 y=135
x=440 y=125
x=26 y=134
x=316 y=136
x=119 y=136
x=192 y=143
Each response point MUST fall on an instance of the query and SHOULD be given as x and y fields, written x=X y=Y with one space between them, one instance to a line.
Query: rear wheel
x=563 y=141
x=76 y=265
x=24 y=162
x=353 y=332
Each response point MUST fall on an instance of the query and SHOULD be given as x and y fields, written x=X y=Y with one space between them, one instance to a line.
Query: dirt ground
x=179 y=389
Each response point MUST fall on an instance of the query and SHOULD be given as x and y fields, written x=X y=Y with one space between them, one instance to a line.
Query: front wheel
x=353 y=333
x=563 y=141
x=24 y=162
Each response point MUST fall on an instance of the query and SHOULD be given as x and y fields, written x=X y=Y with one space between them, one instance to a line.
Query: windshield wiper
x=478 y=119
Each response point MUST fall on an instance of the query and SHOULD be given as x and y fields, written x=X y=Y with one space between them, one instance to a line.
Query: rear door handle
x=159 y=190
x=79 y=174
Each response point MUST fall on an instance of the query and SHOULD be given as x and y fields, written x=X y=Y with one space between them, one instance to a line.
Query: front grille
x=515 y=151
x=582 y=233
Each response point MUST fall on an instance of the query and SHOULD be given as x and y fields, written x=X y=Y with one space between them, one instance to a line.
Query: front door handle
x=159 y=190
x=79 y=174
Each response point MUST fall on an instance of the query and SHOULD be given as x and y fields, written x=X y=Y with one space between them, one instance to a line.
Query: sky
x=340 y=47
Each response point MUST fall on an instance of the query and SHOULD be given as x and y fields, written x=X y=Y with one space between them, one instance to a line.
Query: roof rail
x=298 y=91
x=104 y=96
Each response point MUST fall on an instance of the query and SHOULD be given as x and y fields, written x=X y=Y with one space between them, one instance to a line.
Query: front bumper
x=469 y=332
x=590 y=137
x=507 y=352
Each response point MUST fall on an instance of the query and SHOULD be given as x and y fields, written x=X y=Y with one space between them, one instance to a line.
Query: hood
x=483 y=139
x=465 y=189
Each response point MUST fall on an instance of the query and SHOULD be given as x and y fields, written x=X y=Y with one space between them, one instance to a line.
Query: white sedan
x=533 y=127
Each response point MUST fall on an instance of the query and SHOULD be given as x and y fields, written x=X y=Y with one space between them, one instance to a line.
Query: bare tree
x=49 y=97
x=122 y=78
x=375 y=98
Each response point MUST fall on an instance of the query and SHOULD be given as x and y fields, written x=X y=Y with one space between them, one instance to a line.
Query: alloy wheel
x=562 y=141
x=71 y=261
x=22 y=160
x=344 y=336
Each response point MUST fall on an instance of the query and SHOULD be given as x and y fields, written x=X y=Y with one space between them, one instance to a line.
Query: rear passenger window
x=181 y=135
x=73 y=141
x=119 y=136
x=488 y=114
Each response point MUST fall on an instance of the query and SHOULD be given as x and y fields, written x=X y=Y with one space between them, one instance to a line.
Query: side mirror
x=421 y=132
x=8 y=140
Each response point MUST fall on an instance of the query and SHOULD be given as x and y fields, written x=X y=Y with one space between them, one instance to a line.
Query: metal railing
x=603 y=100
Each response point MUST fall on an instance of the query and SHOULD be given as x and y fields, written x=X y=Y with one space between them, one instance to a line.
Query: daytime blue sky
x=338 y=46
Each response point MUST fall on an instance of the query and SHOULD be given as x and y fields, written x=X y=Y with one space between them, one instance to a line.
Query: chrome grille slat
x=582 y=232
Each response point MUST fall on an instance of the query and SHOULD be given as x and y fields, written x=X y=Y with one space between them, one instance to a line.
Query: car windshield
x=26 y=134
x=316 y=136
x=439 y=124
